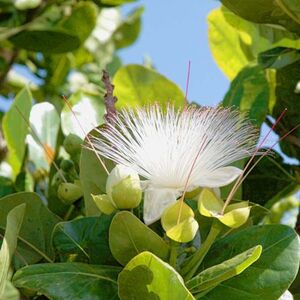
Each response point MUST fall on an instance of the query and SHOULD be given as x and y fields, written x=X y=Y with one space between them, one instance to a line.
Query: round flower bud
x=123 y=187
x=69 y=192
x=73 y=144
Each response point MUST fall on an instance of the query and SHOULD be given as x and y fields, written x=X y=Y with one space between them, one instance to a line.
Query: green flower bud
x=73 y=144
x=69 y=192
x=123 y=187
x=27 y=4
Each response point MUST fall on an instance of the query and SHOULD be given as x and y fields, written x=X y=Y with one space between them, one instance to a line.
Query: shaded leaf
x=249 y=92
x=35 y=235
x=69 y=281
x=9 y=244
x=280 y=12
x=84 y=240
x=148 y=277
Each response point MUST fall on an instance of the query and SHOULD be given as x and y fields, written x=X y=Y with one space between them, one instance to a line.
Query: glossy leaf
x=268 y=277
x=84 y=240
x=15 y=128
x=128 y=236
x=213 y=276
x=35 y=235
x=136 y=85
x=66 y=281
x=249 y=92
x=9 y=244
x=148 y=277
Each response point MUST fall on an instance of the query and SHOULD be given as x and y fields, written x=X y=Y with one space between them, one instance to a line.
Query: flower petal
x=220 y=177
x=155 y=202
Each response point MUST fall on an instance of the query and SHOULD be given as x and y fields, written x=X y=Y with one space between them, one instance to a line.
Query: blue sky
x=173 y=33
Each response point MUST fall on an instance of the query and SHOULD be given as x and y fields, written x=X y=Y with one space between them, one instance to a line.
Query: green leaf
x=280 y=12
x=129 y=30
x=136 y=85
x=92 y=177
x=46 y=40
x=15 y=128
x=84 y=240
x=35 y=235
x=268 y=277
x=113 y=2
x=82 y=20
x=45 y=122
x=148 y=277
x=270 y=180
x=9 y=243
x=278 y=58
x=69 y=281
x=89 y=111
x=235 y=42
x=213 y=276
x=288 y=96
x=128 y=236
x=249 y=92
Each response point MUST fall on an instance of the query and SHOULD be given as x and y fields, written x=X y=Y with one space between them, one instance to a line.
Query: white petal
x=220 y=177
x=155 y=202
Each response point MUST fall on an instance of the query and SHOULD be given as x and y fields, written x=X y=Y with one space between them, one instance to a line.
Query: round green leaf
x=269 y=276
x=128 y=236
x=136 y=85
x=147 y=277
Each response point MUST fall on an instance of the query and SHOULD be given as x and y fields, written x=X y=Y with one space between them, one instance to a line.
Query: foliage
x=57 y=241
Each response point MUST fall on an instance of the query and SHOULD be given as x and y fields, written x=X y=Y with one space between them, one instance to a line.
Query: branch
x=109 y=99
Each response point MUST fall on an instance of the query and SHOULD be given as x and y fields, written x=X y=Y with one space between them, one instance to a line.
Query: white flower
x=162 y=146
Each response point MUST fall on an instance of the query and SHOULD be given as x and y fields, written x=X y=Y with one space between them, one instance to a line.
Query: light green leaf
x=249 y=92
x=128 y=236
x=82 y=20
x=148 y=277
x=92 y=177
x=9 y=243
x=235 y=42
x=35 y=235
x=136 y=85
x=269 y=276
x=69 y=281
x=213 y=276
x=45 y=122
x=15 y=128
